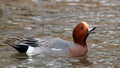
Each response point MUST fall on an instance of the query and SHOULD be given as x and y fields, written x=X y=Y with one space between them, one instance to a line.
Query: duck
x=57 y=46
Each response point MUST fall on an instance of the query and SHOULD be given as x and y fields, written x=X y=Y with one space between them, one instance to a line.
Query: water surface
x=57 y=18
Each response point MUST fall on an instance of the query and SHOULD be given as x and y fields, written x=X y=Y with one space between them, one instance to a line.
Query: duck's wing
x=55 y=43
x=28 y=41
x=55 y=46
x=46 y=42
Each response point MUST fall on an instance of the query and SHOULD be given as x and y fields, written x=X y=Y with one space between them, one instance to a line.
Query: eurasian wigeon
x=57 y=46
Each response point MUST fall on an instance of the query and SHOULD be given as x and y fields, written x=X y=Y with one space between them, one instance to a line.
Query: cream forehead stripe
x=86 y=25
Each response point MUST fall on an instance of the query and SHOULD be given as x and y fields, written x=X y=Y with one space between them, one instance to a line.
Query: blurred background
x=57 y=18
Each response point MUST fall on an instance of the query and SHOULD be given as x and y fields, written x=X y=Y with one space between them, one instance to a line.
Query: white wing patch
x=56 y=49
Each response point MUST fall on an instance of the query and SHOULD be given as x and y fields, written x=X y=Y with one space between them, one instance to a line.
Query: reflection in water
x=81 y=62
x=20 y=56
x=49 y=61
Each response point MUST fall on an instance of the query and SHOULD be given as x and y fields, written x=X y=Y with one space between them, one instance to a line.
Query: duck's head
x=81 y=32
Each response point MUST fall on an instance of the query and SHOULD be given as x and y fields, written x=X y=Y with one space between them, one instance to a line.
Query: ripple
x=38 y=18
x=73 y=4
x=28 y=28
x=57 y=18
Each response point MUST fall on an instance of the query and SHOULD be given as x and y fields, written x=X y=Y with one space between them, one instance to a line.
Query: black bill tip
x=90 y=31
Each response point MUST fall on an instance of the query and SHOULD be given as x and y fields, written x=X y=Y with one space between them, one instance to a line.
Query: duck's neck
x=81 y=41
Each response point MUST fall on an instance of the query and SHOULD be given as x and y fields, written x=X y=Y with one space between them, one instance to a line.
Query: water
x=57 y=18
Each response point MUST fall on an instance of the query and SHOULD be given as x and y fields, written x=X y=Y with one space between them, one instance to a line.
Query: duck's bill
x=90 y=30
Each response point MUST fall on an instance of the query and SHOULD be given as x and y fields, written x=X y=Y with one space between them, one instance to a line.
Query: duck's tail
x=12 y=41
x=21 y=48
x=20 y=43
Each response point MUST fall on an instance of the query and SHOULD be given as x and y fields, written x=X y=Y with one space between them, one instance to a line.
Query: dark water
x=57 y=18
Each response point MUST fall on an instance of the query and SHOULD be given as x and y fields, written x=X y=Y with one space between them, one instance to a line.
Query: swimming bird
x=57 y=46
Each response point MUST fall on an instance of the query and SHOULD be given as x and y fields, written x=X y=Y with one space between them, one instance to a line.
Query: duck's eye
x=81 y=28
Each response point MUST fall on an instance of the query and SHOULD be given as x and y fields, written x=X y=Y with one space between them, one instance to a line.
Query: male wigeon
x=57 y=46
